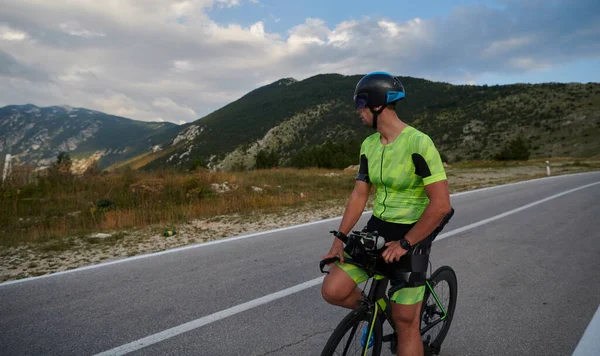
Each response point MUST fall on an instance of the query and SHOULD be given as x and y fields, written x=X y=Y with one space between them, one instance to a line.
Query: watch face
x=405 y=244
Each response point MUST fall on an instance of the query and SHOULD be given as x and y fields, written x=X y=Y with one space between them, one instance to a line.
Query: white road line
x=183 y=248
x=205 y=244
x=589 y=345
x=522 y=182
x=163 y=335
x=510 y=212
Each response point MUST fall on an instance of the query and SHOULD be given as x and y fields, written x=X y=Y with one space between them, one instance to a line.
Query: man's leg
x=340 y=285
x=407 y=320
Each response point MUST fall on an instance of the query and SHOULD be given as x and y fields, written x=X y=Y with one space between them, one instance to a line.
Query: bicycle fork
x=430 y=310
x=377 y=303
x=371 y=327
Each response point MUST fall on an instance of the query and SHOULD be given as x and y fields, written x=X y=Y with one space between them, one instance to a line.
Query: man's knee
x=337 y=286
x=330 y=294
x=406 y=317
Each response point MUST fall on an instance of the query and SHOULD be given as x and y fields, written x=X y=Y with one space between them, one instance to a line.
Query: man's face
x=360 y=102
x=366 y=115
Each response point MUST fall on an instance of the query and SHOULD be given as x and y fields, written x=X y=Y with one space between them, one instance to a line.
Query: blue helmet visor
x=361 y=101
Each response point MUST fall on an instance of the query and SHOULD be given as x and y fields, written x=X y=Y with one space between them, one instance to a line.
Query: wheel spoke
x=347 y=338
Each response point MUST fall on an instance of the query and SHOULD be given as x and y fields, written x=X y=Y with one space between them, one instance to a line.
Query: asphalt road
x=528 y=285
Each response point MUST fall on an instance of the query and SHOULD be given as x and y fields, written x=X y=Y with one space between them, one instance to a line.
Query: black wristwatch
x=340 y=235
x=405 y=244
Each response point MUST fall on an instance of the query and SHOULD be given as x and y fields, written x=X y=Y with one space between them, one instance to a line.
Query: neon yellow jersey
x=400 y=170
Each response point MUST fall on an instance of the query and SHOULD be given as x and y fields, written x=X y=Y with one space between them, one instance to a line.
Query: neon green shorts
x=404 y=296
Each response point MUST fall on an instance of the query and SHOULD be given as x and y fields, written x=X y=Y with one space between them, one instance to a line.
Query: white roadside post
x=548 y=167
x=6 y=170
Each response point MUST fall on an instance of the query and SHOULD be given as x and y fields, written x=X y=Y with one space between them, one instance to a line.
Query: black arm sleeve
x=421 y=167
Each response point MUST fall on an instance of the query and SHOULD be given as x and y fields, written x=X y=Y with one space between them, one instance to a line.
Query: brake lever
x=327 y=261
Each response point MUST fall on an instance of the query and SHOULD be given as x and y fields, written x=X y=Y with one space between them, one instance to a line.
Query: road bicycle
x=366 y=321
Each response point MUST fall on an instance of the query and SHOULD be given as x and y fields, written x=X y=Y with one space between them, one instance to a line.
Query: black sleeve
x=421 y=166
x=363 y=171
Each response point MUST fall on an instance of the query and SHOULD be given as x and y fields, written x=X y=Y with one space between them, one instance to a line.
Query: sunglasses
x=361 y=101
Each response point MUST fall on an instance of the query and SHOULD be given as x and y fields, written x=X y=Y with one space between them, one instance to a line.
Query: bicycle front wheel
x=350 y=336
x=438 y=307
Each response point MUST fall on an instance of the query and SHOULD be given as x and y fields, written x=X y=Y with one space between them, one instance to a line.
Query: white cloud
x=121 y=105
x=258 y=29
x=168 y=105
x=312 y=32
x=227 y=3
x=504 y=46
x=182 y=66
x=182 y=8
x=274 y=18
x=9 y=34
x=342 y=34
x=392 y=28
x=74 y=29
x=167 y=59
x=79 y=74
x=528 y=63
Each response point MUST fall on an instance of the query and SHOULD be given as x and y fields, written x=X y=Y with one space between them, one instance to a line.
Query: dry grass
x=60 y=206
x=479 y=174
x=46 y=226
x=56 y=207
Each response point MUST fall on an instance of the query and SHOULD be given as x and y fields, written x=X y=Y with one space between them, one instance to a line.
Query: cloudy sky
x=178 y=60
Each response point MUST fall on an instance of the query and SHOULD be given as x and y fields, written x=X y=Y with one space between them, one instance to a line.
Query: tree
x=63 y=163
x=197 y=163
x=327 y=155
x=267 y=159
x=516 y=150
x=444 y=157
x=92 y=170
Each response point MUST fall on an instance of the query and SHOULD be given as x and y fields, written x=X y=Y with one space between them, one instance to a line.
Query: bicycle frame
x=378 y=301
x=439 y=304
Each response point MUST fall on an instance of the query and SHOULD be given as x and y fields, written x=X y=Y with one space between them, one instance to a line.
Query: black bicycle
x=361 y=331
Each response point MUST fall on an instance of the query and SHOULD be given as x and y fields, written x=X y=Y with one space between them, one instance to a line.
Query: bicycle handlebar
x=362 y=240
x=371 y=243
x=327 y=261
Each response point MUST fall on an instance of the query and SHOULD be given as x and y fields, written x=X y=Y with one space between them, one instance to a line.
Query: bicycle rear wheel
x=437 y=309
x=347 y=339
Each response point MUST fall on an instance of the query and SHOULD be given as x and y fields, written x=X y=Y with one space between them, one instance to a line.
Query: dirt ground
x=27 y=261
x=33 y=260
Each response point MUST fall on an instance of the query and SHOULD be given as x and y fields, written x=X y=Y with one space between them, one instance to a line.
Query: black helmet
x=377 y=89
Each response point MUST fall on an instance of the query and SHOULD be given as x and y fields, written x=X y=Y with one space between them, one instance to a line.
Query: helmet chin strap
x=376 y=115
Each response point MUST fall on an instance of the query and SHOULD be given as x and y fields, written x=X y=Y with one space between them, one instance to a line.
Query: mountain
x=312 y=121
x=292 y=117
x=36 y=135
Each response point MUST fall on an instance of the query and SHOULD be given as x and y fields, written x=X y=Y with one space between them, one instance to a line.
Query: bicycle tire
x=442 y=274
x=350 y=321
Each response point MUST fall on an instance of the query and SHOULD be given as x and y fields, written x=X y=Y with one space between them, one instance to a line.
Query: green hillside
x=36 y=135
x=313 y=123
x=291 y=118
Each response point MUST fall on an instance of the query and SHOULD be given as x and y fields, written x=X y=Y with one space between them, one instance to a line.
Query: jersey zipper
x=382 y=182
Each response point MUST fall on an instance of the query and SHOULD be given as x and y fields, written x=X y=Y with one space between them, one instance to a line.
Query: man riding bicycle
x=411 y=201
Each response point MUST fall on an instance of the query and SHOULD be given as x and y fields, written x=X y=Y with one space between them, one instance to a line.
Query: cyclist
x=411 y=200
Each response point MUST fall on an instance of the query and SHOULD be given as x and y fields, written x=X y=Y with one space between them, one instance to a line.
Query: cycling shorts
x=411 y=284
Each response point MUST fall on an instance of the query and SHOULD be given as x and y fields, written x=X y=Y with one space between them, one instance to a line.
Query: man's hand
x=337 y=249
x=393 y=252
